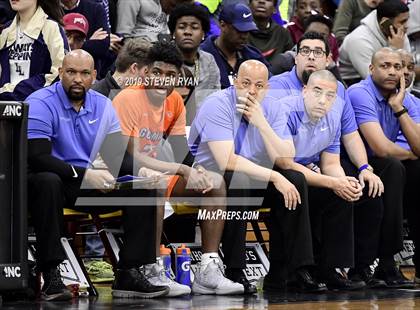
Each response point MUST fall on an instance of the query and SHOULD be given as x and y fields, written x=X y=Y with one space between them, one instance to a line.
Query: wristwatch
x=399 y=113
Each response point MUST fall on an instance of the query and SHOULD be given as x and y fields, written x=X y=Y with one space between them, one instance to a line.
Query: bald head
x=409 y=65
x=407 y=58
x=78 y=56
x=382 y=53
x=324 y=75
x=77 y=75
x=252 y=80
x=319 y=94
x=386 y=69
x=253 y=67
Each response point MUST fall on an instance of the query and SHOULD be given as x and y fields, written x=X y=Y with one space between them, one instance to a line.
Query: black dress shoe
x=274 y=285
x=237 y=275
x=336 y=281
x=132 y=283
x=393 y=277
x=304 y=283
x=366 y=275
x=249 y=288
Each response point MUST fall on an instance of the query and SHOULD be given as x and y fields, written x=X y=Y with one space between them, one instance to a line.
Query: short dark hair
x=165 y=51
x=197 y=11
x=391 y=9
x=133 y=51
x=318 y=18
x=314 y=36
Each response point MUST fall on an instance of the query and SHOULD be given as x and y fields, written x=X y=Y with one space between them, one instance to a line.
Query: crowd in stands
x=221 y=101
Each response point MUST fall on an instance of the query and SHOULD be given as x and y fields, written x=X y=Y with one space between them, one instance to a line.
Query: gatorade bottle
x=165 y=254
x=183 y=264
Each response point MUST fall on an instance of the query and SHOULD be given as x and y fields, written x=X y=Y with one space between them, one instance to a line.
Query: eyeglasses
x=318 y=93
x=306 y=51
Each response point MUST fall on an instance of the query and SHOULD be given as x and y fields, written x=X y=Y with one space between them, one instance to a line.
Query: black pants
x=332 y=229
x=412 y=204
x=378 y=221
x=290 y=233
x=48 y=195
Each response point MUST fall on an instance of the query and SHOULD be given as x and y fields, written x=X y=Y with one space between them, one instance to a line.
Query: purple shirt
x=76 y=137
x=288 y=83
x=370 y=106
x=218 y=120
x=401 y=139
x=310 y=139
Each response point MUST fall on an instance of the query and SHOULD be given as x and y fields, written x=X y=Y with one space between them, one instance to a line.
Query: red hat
x=76 y=21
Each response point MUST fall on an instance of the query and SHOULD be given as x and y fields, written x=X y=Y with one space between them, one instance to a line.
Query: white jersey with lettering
x=20 y=54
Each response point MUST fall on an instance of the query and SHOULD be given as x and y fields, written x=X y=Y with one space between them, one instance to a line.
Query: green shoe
x=99 y=271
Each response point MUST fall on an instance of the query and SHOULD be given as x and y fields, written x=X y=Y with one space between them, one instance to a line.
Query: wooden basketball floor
x=359 y=300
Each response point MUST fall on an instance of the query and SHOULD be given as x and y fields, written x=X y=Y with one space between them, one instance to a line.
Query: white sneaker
x=210 y=279
x=156 y=275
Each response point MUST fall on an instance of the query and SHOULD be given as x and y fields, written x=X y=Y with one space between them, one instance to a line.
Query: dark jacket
x=48 y=50
x=96 y=16
x=248 y=52
x=6 y=12
x=107 y=86
x=272 y=41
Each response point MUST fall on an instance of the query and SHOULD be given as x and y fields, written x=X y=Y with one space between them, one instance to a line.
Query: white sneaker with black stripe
x=156 y=275
x=210 y=280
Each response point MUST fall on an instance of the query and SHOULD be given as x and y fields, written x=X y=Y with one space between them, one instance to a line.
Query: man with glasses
x=312 y=121
x=371 y=240
x=383 y=108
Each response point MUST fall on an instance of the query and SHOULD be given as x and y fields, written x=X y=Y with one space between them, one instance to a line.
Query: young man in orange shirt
x=153 y=111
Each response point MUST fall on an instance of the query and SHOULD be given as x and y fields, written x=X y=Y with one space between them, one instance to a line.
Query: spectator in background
x=129 y=68
x=270 y=38
x=409 y=75
x=409 y=64
x=77 y=28
x=32 y=48
x=98 y=39
x=304 y=9
x=386 y=26
x=139 y=18
x=322 y=24
x=188 y=24
x=231 y=48
x=349 y=15
x=414 y=36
